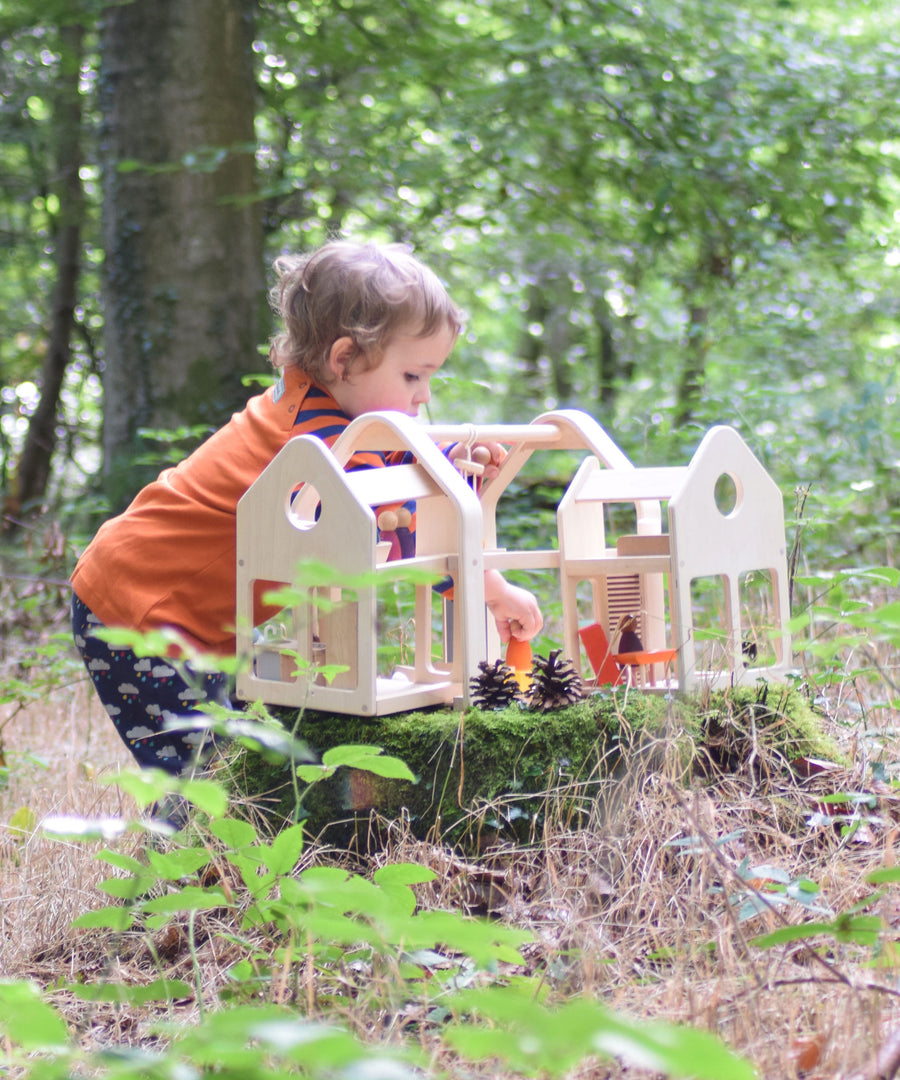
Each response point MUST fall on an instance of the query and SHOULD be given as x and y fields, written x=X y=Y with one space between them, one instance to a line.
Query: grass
x=647 y=907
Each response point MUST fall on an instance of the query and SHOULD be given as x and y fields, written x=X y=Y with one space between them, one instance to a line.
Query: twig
x=801 y=495
x=709 y=843
x=870 y=654
x=811 y=981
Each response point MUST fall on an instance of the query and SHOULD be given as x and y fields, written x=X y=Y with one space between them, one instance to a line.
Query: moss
x=507 y=770
x=771 y=726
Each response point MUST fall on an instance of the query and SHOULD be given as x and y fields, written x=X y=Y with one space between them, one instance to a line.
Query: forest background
x=669 y=214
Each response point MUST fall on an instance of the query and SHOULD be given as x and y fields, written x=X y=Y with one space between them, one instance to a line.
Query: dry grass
x=56 y=751
x=618 y=912
x=618 y=909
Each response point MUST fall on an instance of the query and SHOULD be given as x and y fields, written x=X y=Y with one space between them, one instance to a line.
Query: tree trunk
x=183 y=284
x=527 y=393
x=690 y=386
x=607 y=360
x=557 y=339
x=33 y=470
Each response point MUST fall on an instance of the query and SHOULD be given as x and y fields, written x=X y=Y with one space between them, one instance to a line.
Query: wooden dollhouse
x=703 y=586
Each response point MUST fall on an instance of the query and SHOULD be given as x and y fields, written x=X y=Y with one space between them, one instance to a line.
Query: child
x=365 y=329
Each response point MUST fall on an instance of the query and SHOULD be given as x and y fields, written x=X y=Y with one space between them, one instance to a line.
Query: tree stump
x=506 y=775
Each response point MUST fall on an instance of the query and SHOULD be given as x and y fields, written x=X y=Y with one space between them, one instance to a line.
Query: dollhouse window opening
x=728 y=493
x=758 y=638
x=761 y=635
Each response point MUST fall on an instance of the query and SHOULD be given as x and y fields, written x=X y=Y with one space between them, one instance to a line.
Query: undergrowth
x=735 y=918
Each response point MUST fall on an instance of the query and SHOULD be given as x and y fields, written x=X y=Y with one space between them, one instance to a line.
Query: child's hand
x=489 y=455
x=515 y=610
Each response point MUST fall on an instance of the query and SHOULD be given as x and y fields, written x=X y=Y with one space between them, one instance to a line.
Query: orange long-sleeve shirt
x=169 y=560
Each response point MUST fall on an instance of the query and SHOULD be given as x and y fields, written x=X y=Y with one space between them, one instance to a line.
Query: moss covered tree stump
x=507 y=774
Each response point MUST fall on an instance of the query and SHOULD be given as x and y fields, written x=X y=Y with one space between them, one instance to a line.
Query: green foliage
x=765 y=887
x=848 y=928
x=537 y=1041
x=660 y=218
x=848 y=625
x=367 y=758
x=323 y=918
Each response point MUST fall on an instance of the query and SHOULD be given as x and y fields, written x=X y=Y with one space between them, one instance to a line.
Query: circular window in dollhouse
x=727 y=494
x=304 y=507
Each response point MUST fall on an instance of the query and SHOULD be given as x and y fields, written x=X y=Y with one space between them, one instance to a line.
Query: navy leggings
x=141 y=694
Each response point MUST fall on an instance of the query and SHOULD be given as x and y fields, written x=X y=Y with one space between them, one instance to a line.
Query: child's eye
x=410 y=377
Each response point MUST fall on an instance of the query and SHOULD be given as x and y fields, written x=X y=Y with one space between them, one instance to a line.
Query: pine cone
x=555 y=683
x=495 y=687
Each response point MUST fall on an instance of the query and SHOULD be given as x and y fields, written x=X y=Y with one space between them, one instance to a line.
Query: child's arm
x=515 y=610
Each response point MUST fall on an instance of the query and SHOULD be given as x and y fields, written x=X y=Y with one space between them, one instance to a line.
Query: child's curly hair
x=364 y=291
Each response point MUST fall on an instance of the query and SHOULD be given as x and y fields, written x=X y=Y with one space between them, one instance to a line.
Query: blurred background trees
x=669 y=214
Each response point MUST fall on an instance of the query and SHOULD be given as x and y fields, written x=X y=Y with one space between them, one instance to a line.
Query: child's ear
x=339 y=356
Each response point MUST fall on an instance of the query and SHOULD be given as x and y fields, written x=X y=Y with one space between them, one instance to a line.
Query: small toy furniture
x=659 y=581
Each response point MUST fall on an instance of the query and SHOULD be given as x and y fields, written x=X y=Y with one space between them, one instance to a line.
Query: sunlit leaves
x=26 y=1019
x=535 y=1040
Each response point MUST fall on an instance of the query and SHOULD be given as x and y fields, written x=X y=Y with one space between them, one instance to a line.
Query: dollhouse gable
x=310 y=527
x=728 y=551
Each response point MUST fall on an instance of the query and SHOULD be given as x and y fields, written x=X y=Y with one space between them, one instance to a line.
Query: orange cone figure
x=518 y=658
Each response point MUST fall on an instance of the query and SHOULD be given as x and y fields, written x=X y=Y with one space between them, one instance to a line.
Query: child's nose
x=423 y=393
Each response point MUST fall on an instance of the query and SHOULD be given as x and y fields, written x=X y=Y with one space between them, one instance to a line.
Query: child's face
x=401 y=380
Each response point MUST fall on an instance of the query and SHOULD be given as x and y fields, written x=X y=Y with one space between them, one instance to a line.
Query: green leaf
x=158 y=990
x=121 y=861
x=858 y=929
x=208 y=795
x=884 y=876
x=846 y=928
x=369 y=759
x=27 y=1020
x=350 y=754
x=285 y=850
x=322 y=1049
x=145 y=787
x=129 y=888
x=532 y=1039
x=106 y=918
x=888 y=616
x=233 y=832
x=391 y=768
x=786 y=934
x=22 y=823
x=312 y=774
x=485 y=942
x=403 y=874
x=177 y=864
x=189 y=898
x=273 y=744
